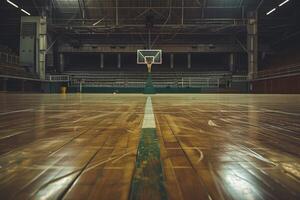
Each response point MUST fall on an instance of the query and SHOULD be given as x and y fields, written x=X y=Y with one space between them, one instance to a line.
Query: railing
x=16 y=71
x=7 y=58
x=9 y=65
x=239 y=78
x=137 y=79
x=58 y=78
x=189 y=83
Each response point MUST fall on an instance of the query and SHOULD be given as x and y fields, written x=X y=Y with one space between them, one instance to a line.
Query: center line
x=148 y=178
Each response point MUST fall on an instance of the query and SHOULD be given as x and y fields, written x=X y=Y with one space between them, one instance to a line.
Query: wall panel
x=282 y=85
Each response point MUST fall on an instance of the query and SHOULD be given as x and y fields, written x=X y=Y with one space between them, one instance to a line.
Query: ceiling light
x=11 y=3
x=24 y=11
x=271 y=11
x=283 y=3
x=100 y=20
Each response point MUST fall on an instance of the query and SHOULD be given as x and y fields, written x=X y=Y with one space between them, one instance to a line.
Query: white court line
x=8 y=136
x=149 y=120
x=281 y=112
x=15 y=111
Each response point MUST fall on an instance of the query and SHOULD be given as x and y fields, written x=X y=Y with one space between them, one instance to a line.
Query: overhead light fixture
x=94 y=24
x=97 y=22
x=13 y=4
x=271 y=11
x=24 y=11
x=16 y=6
x=283 y=3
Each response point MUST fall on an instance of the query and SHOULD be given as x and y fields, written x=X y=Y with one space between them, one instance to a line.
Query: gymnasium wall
x=29 y=86
x=19 y=85
x=280 y=85
x=279 y=72
x=285 y=54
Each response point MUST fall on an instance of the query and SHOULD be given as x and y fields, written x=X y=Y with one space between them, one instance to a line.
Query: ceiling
x=161 y=15
x=169 y=19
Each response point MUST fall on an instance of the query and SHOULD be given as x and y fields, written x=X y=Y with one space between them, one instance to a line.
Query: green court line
x=148 y=180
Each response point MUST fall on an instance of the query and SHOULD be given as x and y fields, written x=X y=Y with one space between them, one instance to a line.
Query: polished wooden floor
x=211 y=146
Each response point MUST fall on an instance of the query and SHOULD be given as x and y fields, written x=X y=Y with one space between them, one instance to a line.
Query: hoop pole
x=149 y=65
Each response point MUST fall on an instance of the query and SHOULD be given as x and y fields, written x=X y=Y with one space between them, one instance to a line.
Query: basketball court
x=150 y=100
x=211 y=146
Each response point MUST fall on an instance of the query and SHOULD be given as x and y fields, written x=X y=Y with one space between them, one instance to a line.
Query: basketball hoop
x=149 y=62
x=149 y=67
x=149 y=57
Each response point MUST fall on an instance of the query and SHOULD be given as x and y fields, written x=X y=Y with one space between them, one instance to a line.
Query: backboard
x=149 y=57
x=153 y=56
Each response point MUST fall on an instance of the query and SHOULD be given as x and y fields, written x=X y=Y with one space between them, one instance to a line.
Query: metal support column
x=22 y=85
x=102 y=61
x=172 y=61
x=42 y=47
x=231 y=62
x=189 y=60
x=117 y=13
x=61 y=62
x=182 y=12
x=119 y=61
x=252 y=45
x=4 y=85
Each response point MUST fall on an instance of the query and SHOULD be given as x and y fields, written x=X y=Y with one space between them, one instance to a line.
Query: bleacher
x=9 y=64
x=160 y=79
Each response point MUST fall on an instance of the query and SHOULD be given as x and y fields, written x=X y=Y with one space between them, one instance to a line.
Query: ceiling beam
x=83 y=10
x=65 y=48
